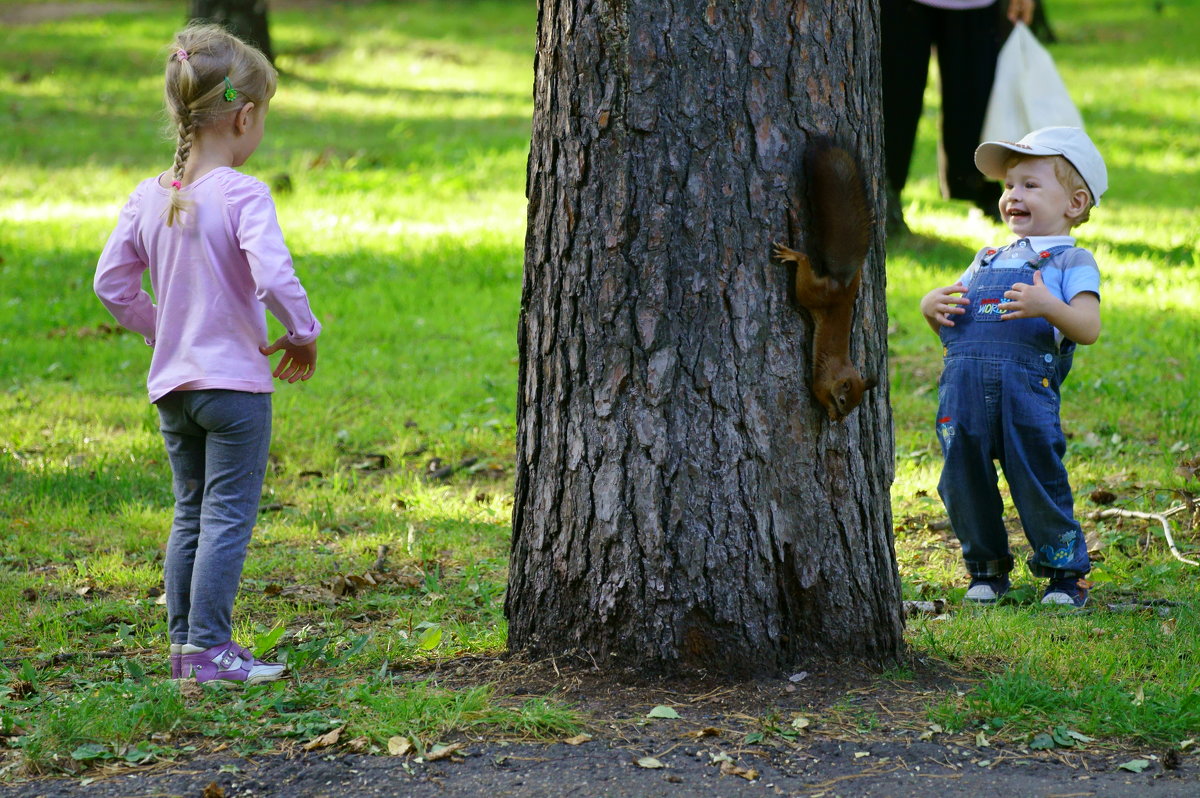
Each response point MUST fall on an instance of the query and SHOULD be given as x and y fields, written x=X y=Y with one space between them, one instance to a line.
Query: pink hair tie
x=176 y=184
x=181 y=54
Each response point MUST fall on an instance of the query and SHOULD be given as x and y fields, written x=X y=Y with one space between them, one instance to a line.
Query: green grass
x=403 y=131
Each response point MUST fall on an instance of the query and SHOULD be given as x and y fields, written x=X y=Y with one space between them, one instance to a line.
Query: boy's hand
x=1030 y=301
x=941 y=303
x=299 y=362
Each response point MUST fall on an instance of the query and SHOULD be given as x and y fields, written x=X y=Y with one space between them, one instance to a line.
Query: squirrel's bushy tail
x=842 y=221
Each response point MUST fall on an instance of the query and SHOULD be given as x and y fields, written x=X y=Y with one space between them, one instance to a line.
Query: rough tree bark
x=246 y=19
x=680 y=501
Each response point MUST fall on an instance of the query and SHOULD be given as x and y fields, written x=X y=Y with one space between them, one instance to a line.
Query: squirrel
x=827 y=281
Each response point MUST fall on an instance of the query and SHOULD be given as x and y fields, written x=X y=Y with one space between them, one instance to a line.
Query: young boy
x=1009 y=328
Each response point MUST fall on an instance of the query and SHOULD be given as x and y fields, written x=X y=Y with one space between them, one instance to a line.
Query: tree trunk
x=681 y=502
x=246 y=19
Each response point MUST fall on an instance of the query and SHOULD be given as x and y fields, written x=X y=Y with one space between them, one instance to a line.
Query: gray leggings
x=217 y=442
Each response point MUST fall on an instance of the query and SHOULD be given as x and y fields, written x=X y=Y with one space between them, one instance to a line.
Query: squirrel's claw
x=786 y=253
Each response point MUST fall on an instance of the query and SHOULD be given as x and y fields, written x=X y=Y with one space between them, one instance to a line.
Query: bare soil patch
x=867 y=737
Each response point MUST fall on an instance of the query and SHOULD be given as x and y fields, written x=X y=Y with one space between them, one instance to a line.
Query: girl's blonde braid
x=186 y=130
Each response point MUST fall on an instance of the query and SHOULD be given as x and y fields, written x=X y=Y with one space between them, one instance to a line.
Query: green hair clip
x=230 y=91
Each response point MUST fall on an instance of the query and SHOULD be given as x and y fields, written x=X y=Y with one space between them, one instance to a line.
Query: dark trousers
x=967 y=44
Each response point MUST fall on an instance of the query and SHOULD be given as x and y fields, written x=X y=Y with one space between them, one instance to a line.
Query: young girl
x=209 y=236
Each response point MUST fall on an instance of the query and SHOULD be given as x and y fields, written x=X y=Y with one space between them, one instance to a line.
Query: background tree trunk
x=246 y=19
x=681 y=501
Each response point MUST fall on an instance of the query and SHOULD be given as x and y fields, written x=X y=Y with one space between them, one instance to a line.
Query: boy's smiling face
x=1035 y=203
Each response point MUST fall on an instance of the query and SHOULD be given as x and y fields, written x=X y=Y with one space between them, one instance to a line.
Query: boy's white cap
x=1069 y=142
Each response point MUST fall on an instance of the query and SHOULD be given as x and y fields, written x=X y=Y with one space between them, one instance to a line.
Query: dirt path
x=865 y=739
x=819 y=767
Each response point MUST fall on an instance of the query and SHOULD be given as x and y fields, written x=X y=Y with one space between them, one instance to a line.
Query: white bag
x=1028 y=93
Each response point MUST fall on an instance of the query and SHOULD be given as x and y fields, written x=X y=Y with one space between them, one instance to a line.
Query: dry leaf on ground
x=443 y=752
x=325 y=740
x=730 y=769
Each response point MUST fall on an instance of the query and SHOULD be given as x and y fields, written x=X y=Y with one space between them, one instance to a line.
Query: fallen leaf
x=325 y=740
x=665 y=712
x=861 y=754
x=1168 y=626
x=798 y=677
x=443 y=752
x=801 y=722
x=1062 y=737
x=649 y=762
x=190 y=690
x=399 y=746
x=1042 y=742
x=430 y=638
x=359 y=744
x=1139 y=697
x=1134 y=765
x=708 y=731
x=730 y=769
x=981 y=740
x=578 y=739
x=213 y=790
x=934 y=607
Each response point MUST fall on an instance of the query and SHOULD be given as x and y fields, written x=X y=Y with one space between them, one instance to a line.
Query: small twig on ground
x=868 y=772
x=380 y=558
x=1160 y=517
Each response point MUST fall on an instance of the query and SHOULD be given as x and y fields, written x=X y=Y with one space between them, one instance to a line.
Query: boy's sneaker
x=1067 y=591
x=176 y=661
x=987 y=589
x=228 y=661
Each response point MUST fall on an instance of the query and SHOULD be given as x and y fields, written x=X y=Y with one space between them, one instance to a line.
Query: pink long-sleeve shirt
x=214 y=273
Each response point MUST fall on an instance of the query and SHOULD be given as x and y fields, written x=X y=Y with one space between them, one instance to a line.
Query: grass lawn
x=397 y=146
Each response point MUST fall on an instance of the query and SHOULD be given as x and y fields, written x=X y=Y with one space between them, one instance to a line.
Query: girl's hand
x=299 y=362
x=941 y=303
x=1030 y=301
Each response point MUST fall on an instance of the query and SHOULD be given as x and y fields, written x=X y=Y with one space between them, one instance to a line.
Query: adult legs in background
x=906 y=34
x=968 y=45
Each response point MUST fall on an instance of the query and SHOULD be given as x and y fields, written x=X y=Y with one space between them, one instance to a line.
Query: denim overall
x=998 y=399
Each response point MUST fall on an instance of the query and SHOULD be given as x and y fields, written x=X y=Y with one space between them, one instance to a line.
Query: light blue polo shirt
x=1066 y=274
